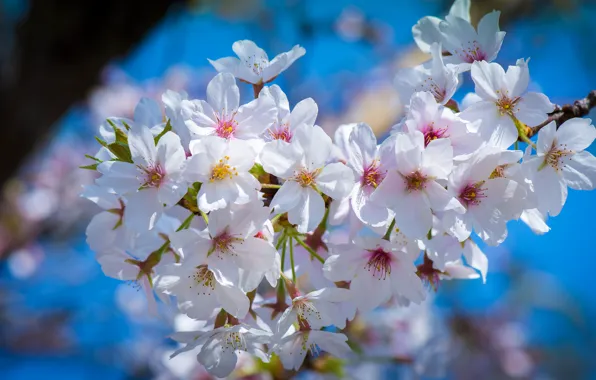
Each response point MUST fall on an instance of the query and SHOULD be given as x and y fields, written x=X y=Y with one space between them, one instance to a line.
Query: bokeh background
x=66 y=65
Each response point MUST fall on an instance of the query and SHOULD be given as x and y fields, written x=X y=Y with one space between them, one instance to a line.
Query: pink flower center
x=223 y=243
x=471 y=52
x=282 y=132
x=226 y=127
x=203 y=277
x=472 y=194
x=431 y=133
x=154 y=175
x=372 y=175
x=379 y=263
x=415 y=181
x=306 y=178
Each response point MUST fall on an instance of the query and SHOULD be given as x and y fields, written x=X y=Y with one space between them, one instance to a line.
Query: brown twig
x=579 y=108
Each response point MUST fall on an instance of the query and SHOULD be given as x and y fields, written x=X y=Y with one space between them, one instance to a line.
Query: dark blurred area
x=66 y=65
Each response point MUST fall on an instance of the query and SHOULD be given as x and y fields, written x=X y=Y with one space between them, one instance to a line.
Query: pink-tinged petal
x=287 y=197
x=437 y=158
x=503 y=134
x=101 y=196
x=255 y=117
x=216 y=359
x=408 y=284
x=280 y=158
x=199 y=117
x=457 y=225
x=546 y=138
x=341 y=267
x=408 y=148
x=407 y=205
x=550 y=190
x=170 y=192
x=517 y=79
x=254 y=254
x=488 y=79
x=232 y=299
x=426 y=32
x=142 y=146
x=147 y=113
x=579 y=173
x=114 y=265
x=217 y=195
x=281 y=62
x=534 y=219
x=457 y=270
x=362 y=146
x=304 y=113
x=247 y=50
x=235 y=67
x=369 y=291
x=442 y=200
x=170 y=153
x=476 y=258
x=316 y=145
x=280 y=99
x=223 y=94
x=392 y=188
x=308 y=213
x=461 y=9
x=333 y=343
x=335 y=180
x=533 y=108
x=142 y=210
x=577 y=134
x=489 y=35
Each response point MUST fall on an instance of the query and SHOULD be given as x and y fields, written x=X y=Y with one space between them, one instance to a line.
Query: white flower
x=504 y=97
x=221 y=114
x=152 y=182
x=302 y=164
x=467 y=45
x=220 y=347
x=222 y=167
x=490 y=200
x=410 y=188
x=369 y=167
x=172 y=101
x=433 y=76
x=106 y=230
x=377 y=270
x=316 y=310
x=426 y=31
x=445 y=250
x=561 y=161
x=304 y=114
x=293 y=348
x=253 y=65
x=436 y=122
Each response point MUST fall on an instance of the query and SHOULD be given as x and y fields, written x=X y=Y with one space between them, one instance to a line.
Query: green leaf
x=121 y=151
x=120 y=135
x=90 y=167
x=166 y=129
x=94 y=158
x=101 y=142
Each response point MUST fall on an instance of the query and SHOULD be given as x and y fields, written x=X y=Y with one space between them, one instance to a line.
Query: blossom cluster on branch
x=219 y=201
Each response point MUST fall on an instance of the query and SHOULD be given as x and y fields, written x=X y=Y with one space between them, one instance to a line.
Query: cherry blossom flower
x=221 y=115
x=253 y=65
x=467 y=45
x=561 y=161
x=292 y=349
x=411 y=187
x=222 y=167
x=490 y=200
x=377 y=270
x=152 y=182
x=316 y=310
x=304 y=114
x=302 y=164
x=437 y=122
x=220 y=347
x=427 y=31
x=434 y=77
x=504 y=99
x=172 y=101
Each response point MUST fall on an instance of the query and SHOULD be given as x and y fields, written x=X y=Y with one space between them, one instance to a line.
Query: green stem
x=310 y=250
x=205 y=217
x=283 y=254
x=292 y=260
x=521 y=131
x=186 y=222
x=269 y=186
x=389 y=230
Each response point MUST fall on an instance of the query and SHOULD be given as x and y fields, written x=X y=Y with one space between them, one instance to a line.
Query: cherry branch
x=579 y=108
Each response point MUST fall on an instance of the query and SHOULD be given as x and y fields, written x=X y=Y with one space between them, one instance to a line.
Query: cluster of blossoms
x=219 y=202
